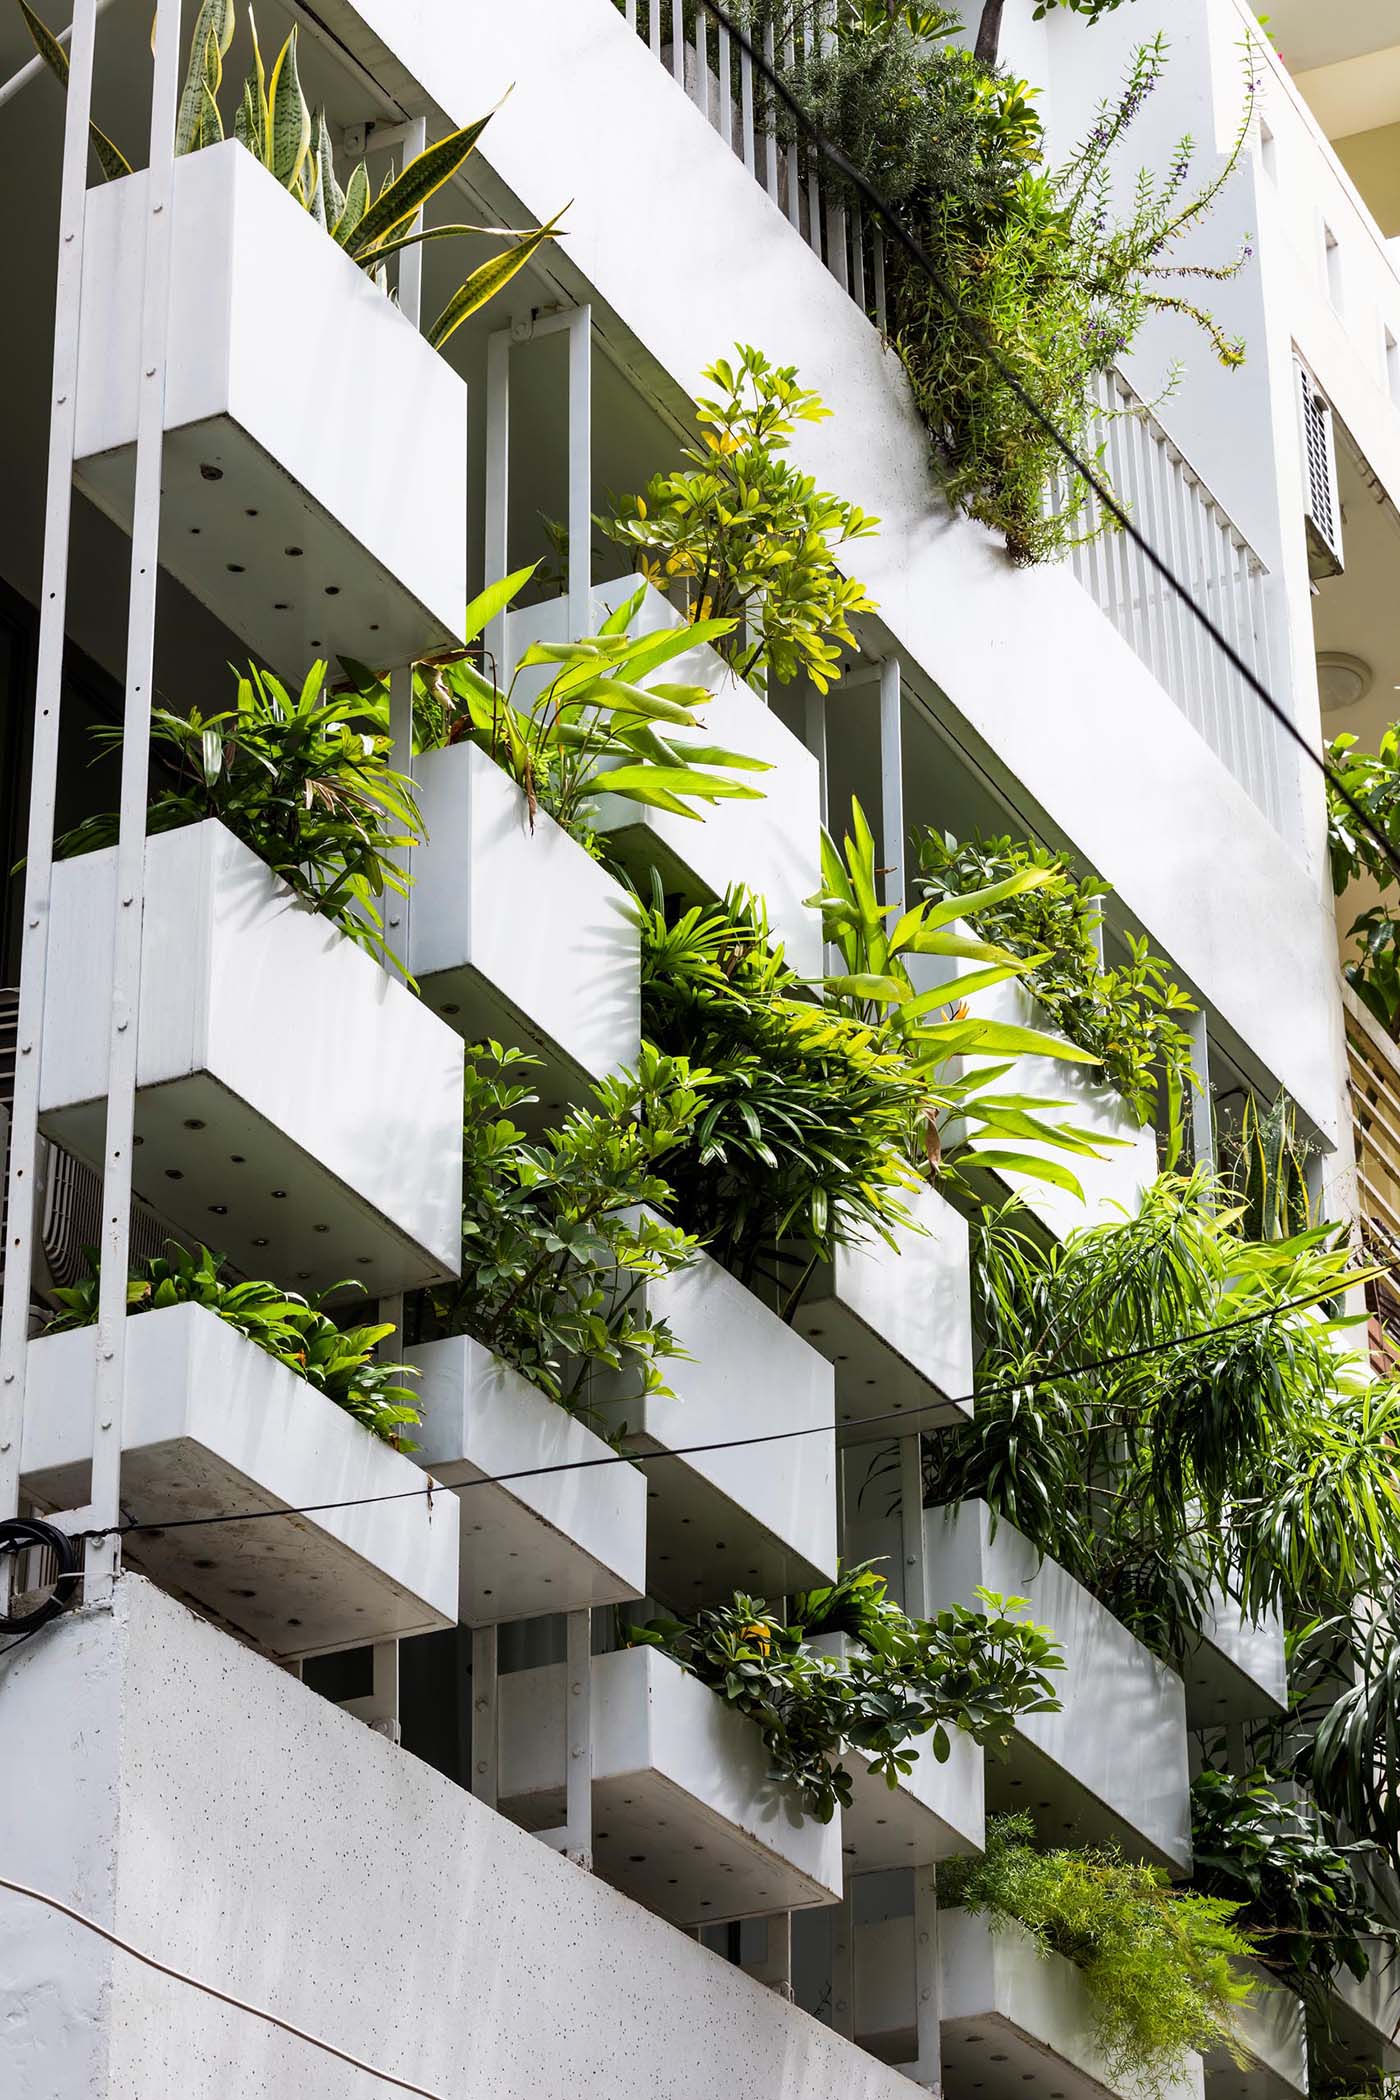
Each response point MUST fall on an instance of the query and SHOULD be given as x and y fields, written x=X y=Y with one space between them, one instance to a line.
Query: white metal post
x=1202 y=1108
x=486 y=1740
x=38 y=873
x=927 y=2067
x=110 y=1382
x=578 y=1738
x=775 y=1968
x=497 y=535
x=580 y=470
x=911 y=1525
x=892 y=779
x=814 y=736
x=843 y=1968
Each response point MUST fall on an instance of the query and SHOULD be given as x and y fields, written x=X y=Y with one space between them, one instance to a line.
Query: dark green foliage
x=809 y=1121
x=1162 y=1967
x=1373 y=782
x=557 y=1231
x=304 y=781
x=1126 y=1016
x=1297 y=1887
x=898 y=1680
x=338 y=1361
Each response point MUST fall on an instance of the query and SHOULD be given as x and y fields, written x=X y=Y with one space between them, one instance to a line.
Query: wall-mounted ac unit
x=1323 y=507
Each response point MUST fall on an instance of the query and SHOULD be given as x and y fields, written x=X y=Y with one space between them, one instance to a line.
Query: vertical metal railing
x=1167 y=497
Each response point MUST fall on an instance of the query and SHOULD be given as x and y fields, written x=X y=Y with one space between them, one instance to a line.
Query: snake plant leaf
x=490 y=278
x=110 y=159
x=209 y=43
x=289 y=118
x=404 y=197
x=383 y=249
x=354 y=208
x=330 y=197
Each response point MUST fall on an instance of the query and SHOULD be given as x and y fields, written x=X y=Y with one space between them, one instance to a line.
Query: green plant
x=1371 y=781
x=1162 y=1967
x=599 y=723
x=304 y=781
x=337 y=1361
x=1124 y=1017
x=809 y=1122
x=1264 y=1171
x=276 y=125
x=973 y=1670
x=1032 y=273
x=964 y=1119
x=1297 y=1887
x=745 y=537
x=558 y=1231
x=1233 y=1452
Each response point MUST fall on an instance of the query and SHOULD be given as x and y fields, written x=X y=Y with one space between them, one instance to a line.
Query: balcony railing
x=1169 y=500
x=1373 y=1063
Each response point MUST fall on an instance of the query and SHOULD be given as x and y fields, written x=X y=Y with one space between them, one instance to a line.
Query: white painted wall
x=1026 y=659
x=303 y=1862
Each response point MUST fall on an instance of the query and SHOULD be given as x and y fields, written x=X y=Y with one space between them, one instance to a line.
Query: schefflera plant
x=276 y=125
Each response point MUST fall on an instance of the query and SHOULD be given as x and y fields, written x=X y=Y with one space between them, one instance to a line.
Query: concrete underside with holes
x=465 y=1956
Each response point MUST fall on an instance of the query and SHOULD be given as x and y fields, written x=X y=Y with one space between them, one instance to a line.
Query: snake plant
x=277 y=126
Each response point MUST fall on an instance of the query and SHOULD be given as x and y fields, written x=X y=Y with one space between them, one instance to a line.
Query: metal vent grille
x=1324 y=515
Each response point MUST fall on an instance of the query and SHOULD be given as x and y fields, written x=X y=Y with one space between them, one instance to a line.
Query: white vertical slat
x=497 y=533
x=724 y=65
x=813 y=40
x=630 y=13
x=858 y=288
x=1217 y=671
x=1150 y=524
x=702 y=60
x=654 y=27
x=1196 y=696
x=770 y=141
x=746 y=118
x=677 y=41
x=892 y=843
x=1178 y=674
x=1127 y=560
x=109 y=1388
x=580 y=471
x=21 y=1217
x=792 y=183
x=881 y=310
x=486 y=1731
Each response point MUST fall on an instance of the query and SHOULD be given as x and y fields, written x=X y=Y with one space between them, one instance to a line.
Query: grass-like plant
x=304 y=781
x=1124 y=1017
x=559 y=1231
x=277 y=126
x=739 y=534
x=337 y=1361
x=900 y=1679
x=1163 y=1968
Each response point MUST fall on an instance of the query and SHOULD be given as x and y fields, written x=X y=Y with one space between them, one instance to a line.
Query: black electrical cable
x=23 y=1535
x=973 y=329
x=739 y=1443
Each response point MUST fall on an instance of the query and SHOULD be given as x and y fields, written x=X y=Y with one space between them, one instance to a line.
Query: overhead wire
x=892 y=1417
x=212 y=1990
x=972 y=327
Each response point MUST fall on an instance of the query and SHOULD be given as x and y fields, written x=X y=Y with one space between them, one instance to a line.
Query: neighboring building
x=188 y=1762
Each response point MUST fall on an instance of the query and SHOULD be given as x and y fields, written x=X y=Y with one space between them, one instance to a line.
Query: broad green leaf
x=619 y=620
x=1031 y=1166
x=484 y=608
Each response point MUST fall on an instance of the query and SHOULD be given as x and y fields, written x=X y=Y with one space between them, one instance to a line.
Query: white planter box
x=1273 y=2028
x=686 y=1817
x=1238 y=1672
x=760 y=1517
x=897 y=1324
x=215 y=1426
x=297 y=1108
x=518 y=934
x=1364 y=2018
x=773 y=847
x=1114 y=1183
x=314 y=484
x=1112 y=1764
x=555 y=1543
x=936 y=1810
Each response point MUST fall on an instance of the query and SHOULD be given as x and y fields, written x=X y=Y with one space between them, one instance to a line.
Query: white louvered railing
x=1169 y=501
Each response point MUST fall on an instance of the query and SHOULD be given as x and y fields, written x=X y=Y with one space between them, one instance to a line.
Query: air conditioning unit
x=1323 y=511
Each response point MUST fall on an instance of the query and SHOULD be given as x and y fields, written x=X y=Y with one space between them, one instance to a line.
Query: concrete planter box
x=1113 y=1184
x=316 y=503
x=214 y=1426
x=1273 y=2029
x=1086 y=1778
x=296 y=1107
x=897 y=1324
x=686 y=1818
x=519 y=934
x=555 y=1543
x=936 y=1811
x=1238 y=1672
x=760 y=1517
x=1364 y=2018
x=773 y=847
